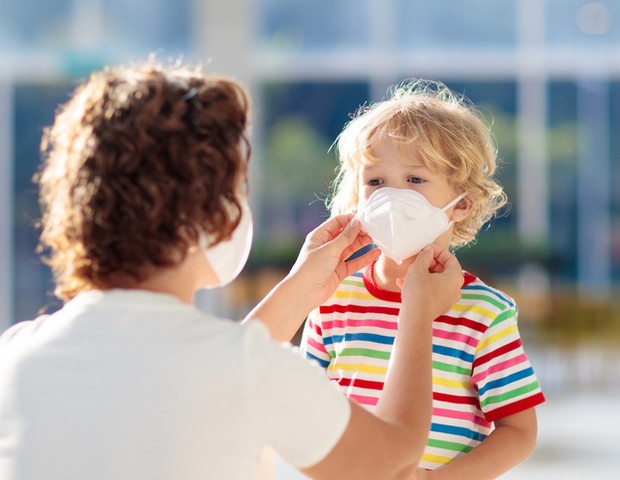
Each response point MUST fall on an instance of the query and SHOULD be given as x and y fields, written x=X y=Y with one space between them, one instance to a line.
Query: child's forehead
x=407 y=152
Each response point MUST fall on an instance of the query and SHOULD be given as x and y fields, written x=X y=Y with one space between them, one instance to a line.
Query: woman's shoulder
x=21 y=329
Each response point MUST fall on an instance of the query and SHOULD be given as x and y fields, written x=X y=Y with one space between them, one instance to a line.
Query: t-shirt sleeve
x=312 y=345
x=17 y=329
x=502 y=373
x=295 y=409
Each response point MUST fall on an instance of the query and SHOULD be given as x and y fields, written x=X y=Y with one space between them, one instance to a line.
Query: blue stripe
x=453 y=352
x=364 y=337
x=459 y=431
x=323 y=363
x=502 y=382
x=492 y=291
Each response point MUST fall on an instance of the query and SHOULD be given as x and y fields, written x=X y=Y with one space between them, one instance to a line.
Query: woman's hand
x=433 y=282
x=317 y=272
x=421 y=474
x=321 y=264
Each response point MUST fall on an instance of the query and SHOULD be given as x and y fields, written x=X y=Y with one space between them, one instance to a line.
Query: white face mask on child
x=402 y=222
x=228 y=257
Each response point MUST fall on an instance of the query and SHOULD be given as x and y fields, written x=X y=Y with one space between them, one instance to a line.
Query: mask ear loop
x=454 y=202
x=451 y=204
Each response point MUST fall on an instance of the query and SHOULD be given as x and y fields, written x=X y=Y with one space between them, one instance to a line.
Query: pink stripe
x=498 y=367
x=468 y=416
x=317 y=345
x=386 y=324
x=364 y=400
x=455 y=337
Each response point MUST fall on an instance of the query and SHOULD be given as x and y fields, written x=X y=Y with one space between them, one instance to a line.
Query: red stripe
x=317 y=346
x=364 y=400
x=516 y=407
x=315 y=326
x=466 y=322
x=384 y=324
x=444 y=397
x=355 y=382
x=325 y=309
x=509 y=347
x=455 y=337
x=468 y=278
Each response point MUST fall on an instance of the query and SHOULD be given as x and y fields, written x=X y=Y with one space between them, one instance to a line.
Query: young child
x=418 y=169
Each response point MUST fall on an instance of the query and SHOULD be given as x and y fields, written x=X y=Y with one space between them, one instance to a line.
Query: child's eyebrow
x=369 y=167
x=419 y=166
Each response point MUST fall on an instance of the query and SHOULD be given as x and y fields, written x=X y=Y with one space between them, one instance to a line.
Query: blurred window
x=302 y=26
x=562 y=156
x=32 y=24
x=133 y=27
x=580 y=23
x=35 y=105
x=300 y=122
x=488 y=24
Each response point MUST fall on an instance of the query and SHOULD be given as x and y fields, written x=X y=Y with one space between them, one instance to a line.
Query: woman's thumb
x=424 y=258
x=348 y=234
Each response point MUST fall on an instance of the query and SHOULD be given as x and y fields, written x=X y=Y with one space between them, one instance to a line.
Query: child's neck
x=386 y=271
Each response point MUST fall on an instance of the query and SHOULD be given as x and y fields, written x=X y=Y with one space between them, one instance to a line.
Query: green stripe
x=511 y=394
x=446 y=367
x=457 y=447
x=364 y=352
x=484 y=298
x=505 y=315
x=355 y=283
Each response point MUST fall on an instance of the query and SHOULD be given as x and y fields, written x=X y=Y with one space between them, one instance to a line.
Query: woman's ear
x=462 y=209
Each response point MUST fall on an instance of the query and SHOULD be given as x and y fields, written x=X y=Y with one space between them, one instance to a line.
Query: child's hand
x=433 y=281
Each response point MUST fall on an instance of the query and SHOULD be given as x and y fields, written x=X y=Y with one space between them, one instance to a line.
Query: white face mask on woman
x=228 y=257
x=402 y=222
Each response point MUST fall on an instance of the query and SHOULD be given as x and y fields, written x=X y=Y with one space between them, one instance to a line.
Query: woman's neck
x=177 y=281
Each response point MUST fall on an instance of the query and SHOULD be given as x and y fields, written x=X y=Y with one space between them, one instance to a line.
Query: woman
x=143 y=193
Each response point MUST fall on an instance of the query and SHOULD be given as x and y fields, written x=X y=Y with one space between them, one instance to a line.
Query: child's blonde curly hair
x=449 y=136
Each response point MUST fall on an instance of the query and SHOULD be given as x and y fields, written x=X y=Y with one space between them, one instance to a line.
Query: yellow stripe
x=356 y=367
x=450 y=383
x=427 y=457
x=359 y=295
x=493 y=338
x=476 y=309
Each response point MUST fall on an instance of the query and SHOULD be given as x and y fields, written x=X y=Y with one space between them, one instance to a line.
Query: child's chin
x=406 y=262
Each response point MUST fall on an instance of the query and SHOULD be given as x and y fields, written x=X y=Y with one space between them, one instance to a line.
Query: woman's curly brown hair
x=134 y=162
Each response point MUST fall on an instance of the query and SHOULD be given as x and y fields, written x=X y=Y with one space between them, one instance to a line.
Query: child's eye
x=416 y=180
x=374 y=182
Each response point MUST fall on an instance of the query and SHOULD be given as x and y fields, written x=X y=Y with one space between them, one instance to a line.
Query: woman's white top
x=128 y=384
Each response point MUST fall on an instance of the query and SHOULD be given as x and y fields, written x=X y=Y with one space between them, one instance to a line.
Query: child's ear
x=462 y=209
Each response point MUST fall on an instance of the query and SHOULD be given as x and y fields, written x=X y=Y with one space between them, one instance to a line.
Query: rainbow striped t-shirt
x=480 y=370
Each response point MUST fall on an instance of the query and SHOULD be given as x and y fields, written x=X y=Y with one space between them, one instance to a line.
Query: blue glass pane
x=301 y=25
x=34 y=109
x=562 y=157
x=26 y=24
x=454 y=23
x=301 y=120
x=145 y=26
x=577 y=23
x=131 y=27
x=614 y=126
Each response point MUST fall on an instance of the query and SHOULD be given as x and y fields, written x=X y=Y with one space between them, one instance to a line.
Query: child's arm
x=512 y=441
